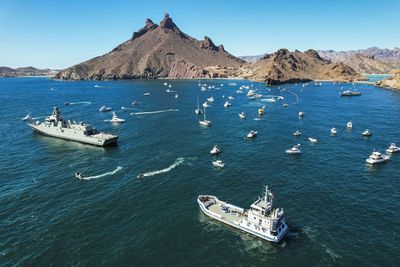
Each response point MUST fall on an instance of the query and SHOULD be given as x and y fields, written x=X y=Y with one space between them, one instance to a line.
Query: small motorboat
x=146 y=94
x=176 y=95
x=367 y=132
x=170 y=85
x=297 y=133
x=205 y=122
x=261 y=111
x=377 y=157
x=140 y=176
x=168 y=91
x=115 y=119
x=312 y=140
x=27 y=117
x=285 y=105
x=67 y=103
x=215 y=150
x=210 y=99
x=218 y=163
x=198 y=111
x=242 y=115
x=97 y=86
x=301 y=114
x=230 y=97
x=135 y=103
x=333 y=131
x=105 y=109
x=349 y=125
x=227 y=104
x=393 y=148
x=165 y=84
x=79 y=175
x=252 y=134
x=294 y=150
x=206 y=105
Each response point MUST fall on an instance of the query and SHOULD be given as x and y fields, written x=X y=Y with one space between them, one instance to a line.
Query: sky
x=59 y=34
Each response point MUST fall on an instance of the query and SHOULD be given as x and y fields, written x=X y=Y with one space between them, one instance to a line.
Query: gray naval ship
x=56 y=126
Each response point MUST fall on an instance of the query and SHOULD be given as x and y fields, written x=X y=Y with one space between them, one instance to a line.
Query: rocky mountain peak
x=207 y=43
x=149 y=23
x=167 y=23
x=148 y=26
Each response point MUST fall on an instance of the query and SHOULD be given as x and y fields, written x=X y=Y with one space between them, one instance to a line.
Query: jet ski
x=79 y=175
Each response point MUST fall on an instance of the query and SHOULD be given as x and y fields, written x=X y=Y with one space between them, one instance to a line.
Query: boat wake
x=272 y=100
x=154 y=112
x=297 y=97
x=103 y=175
x=81 y=103
x=125 y=108
x=177 y=162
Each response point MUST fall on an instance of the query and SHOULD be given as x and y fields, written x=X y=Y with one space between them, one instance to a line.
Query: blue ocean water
x=339 y=210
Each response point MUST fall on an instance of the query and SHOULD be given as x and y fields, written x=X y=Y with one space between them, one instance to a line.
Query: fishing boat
x=227 y=104
x=367 y=132
x=198 y=111
x=294 y=150
x=297 y=133
x=115 y=119
x=205 y=122
x=218 y=163
x=393 y=148
x=260 y=219
x=252 y=134
x=242 y=115
x=105 y=109
x=215 y=150
x=349 y=125
x=376 y=157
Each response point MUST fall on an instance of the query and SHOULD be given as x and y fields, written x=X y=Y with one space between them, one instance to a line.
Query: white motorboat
x=215 y=150
x=205 y=122
x=146 y=94
x=242 y=115
x=377 y=157
x=393 y=148
x=165 y=84
x=227 y=104
x=170 y=85
x=349 y=125
x=231 y=97
x=312 y=140
x=294 y=150
x=350 y=93
x=169 y=90
x=79 y=175
x=27 y=117
x=135 y=103
x=285 y=105
x=301 y=114
x=176 y=95
x=105 y=109
x=260 y=220
x=333 y=131
x=206 y=105
x=261 y=111
x=367 y=132
x=115 y=119
x=252 y=134
x=218 y=163
x=210 y=99
x=198 y=111
x=297 y=133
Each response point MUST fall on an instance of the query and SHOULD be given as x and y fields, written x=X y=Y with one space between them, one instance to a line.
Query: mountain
x=391 y=82
x=386 y=55
x=25 y=71
x=251 y=59
x=284 y=66
x=158 y=51
x=366 y=64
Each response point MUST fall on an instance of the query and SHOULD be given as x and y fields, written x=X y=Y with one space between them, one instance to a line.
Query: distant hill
x=387 y=55
x=157 y=51
x=365 y=64
x=284 y=66
x=251 y=59
x=25 y=71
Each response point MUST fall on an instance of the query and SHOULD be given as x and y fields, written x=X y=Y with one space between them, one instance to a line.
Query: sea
x=340 y=211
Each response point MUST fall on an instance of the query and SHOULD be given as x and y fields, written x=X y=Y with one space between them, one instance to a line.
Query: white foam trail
x=103 y=175
x=297 y=97
x=153 y=112
x=177 y=162
x=82 y=102
x=272 y=100
x=41 y=117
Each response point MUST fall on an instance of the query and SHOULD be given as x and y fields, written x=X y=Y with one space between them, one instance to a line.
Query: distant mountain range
x=25 y=71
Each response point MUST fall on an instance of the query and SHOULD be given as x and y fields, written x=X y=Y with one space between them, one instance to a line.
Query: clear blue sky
x=58 y=34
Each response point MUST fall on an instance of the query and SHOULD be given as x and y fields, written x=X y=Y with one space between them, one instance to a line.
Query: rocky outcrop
x=284 y=66
x=155 y=51
x=391 y=82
